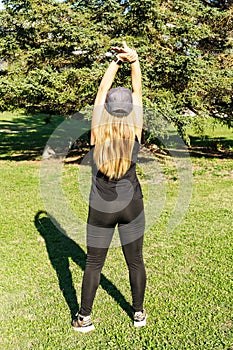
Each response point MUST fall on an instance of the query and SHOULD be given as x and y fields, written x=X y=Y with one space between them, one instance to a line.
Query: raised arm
x=124 y=54
x=136 y=78
x=131 y=56
x=105 y=85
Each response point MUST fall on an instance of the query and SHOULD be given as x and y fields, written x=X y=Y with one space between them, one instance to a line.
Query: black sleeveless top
x=122 y=189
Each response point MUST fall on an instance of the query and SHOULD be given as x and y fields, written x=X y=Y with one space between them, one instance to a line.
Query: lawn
x=189 y=270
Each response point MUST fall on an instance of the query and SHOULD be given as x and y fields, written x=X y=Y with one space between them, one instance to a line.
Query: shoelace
x=138 y=316
x=85 y=321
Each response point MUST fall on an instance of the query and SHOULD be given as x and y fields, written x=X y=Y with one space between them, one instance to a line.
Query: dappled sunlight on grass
x=23 y=136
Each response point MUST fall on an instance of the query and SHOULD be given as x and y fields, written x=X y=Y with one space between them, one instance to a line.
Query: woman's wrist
x=122 y=58
x=118 y=60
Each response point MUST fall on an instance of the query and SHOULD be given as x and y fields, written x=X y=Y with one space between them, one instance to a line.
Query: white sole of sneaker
x=140 y=323
x=84 y=329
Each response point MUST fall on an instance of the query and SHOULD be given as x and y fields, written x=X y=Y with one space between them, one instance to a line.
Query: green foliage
x=187 y=58
x=56 y=55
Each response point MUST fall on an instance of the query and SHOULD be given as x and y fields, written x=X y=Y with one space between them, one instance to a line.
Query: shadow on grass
x=210 y=147
x=23 y=137
x=60 y=248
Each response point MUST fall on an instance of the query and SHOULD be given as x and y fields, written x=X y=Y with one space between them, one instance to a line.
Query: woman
x=116 y=196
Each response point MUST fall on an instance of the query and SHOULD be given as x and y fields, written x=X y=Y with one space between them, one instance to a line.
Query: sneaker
x=140 y=318
x=82 y=324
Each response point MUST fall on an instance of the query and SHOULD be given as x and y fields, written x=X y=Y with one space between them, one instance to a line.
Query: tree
x=188 y=58
x=56 y=54
x=50 y=50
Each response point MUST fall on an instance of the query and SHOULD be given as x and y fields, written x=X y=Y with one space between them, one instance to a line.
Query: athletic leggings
x=100 y=229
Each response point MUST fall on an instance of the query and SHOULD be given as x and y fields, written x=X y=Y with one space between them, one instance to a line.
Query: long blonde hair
x=114 y=141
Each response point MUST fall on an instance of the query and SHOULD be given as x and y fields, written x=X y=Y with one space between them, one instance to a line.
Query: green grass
x=189 y=271
x=23 y=137
x=214 y=139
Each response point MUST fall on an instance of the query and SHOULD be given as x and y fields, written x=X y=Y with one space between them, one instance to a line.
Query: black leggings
x=100 y=228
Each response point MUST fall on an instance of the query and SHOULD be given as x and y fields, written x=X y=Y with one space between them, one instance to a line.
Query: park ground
x=189 y=270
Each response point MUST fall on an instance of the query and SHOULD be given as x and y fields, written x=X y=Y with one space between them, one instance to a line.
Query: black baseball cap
x=119 y=102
